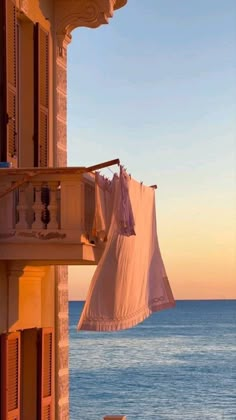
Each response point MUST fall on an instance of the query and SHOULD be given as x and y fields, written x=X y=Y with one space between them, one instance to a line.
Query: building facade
x=46 y=209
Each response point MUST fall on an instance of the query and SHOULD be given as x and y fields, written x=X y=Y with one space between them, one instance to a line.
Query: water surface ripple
x=178 y=364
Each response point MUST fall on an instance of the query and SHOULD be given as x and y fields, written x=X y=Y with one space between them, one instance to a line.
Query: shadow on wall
x=9 y=298
x=25 y=293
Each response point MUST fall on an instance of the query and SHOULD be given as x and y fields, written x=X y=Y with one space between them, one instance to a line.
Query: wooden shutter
x=41 y=96
x=8 y=78
x=45 y=372
x=3 y=110
x=10 y=376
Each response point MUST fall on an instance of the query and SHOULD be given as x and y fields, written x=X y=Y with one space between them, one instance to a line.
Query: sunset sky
x=157 y=88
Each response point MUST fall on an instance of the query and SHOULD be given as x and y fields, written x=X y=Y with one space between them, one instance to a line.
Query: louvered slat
x=43 y=97
x=11 y=74
x=43 y=136
x=3 y=83
x=10 y=376
x=45 y=397
x=41 y=120
x=47 y=412
x=43 y=67
x=11 y=42
x=11 y=102
x=13 y=374
x=47 y=366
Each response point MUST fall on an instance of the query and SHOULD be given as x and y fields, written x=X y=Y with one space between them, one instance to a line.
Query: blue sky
x=157 y=88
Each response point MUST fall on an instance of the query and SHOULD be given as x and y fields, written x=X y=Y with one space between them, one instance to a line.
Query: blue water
x=178 y=364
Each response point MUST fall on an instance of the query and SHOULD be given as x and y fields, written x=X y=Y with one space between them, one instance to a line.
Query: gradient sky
x=157 y=88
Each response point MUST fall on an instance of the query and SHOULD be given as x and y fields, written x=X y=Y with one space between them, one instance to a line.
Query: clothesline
x=29 y=173
x=151 y=186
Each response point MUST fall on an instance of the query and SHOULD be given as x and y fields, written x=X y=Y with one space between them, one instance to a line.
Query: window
x=24 y=82
x=26 y=366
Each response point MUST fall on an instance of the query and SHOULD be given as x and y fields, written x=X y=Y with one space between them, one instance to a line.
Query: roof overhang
x=71 y=14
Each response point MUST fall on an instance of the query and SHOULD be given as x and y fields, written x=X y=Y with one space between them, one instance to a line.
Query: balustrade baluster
x=45 y=202
x=38 y=207
x=22 y=208
x=53 y=206
x=6 y=209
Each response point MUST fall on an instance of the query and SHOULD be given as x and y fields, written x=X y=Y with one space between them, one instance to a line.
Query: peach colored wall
x=41 y=11
x=26 y=297
x=28 y=292
x=48 y=298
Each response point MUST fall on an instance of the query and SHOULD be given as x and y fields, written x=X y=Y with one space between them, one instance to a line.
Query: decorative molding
x=71 y=14
x=15 y=269
x=23 y=6
x=44 y=235
x=63 y=40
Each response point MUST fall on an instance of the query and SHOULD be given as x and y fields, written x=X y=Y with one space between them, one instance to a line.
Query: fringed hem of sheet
x=114 y=325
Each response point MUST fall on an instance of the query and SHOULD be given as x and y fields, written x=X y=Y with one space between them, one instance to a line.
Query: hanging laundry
x=104 y=193
x=130 y=281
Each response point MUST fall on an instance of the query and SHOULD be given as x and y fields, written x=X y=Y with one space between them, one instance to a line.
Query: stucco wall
x=41 y=11
x=26 y=297
x=62 y=317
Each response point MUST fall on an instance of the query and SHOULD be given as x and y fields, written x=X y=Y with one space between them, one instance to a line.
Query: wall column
x=61 y=272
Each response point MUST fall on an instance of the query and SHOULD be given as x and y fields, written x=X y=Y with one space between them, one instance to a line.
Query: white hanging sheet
x=130 y=281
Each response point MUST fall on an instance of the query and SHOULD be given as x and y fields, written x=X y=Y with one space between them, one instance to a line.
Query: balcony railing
x=47 y=214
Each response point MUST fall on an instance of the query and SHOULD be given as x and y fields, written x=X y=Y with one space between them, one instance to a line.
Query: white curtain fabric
x=130 y=281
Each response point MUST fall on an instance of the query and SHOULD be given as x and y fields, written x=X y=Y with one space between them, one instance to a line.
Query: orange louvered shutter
x=45 y=371
x=8 y=76
x=3 y=110
x=10 y=376
x=41 y=92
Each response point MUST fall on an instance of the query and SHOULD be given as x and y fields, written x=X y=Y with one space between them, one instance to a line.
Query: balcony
x=46 y=216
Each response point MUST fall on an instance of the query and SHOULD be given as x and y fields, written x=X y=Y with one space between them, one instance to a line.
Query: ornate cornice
x=71 y=14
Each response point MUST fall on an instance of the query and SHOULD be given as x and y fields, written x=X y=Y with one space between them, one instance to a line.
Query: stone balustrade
x=54 y=206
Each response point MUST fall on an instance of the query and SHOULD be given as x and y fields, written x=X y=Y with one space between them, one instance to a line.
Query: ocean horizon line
x=177 y=300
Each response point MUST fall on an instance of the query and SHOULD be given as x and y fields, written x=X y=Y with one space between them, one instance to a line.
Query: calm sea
x=178 y=364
